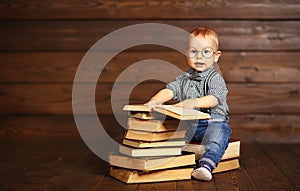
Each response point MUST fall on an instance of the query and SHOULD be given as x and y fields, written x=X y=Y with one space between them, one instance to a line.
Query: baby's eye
x=206 y=51
x=194 y=51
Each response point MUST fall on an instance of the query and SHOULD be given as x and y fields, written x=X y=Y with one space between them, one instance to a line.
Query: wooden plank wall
x=43 y=42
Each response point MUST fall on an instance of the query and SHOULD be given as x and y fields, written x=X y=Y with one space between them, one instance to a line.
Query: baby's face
x=202 y=53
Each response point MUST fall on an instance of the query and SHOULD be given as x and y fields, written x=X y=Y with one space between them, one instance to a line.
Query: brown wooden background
x=43 y=42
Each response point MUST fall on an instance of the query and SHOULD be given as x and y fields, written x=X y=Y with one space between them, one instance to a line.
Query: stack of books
x=154 y=150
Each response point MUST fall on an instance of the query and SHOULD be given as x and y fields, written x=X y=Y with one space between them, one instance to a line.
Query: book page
x=138 y=107
x=181 y=111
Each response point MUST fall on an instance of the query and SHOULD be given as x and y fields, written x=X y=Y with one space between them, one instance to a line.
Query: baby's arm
x=208 y=101
x=202 y=102
x=161 y=97
x=217 y=93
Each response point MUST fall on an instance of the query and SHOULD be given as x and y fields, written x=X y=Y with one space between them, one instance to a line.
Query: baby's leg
x=216 y=139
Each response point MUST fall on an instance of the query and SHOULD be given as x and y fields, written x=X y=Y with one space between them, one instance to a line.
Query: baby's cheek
x=209 y=61
x=190 y=62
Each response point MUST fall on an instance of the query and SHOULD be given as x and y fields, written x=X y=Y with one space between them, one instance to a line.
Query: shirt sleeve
x=217 y=87
x=175 y=86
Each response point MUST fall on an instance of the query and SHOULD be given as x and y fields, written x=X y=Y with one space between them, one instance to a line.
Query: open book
x=170 y=110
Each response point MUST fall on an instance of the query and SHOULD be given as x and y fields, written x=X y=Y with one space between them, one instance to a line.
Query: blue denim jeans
x=213 y=133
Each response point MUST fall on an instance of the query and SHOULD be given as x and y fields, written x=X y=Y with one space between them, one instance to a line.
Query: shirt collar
x=198 y=75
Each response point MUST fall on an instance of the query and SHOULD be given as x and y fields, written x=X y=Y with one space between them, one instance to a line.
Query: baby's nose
x=199 y=54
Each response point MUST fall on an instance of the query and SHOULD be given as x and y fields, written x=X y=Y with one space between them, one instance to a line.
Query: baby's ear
x=217 y=55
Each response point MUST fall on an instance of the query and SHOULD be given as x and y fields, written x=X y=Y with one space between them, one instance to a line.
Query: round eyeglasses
x=207 y=52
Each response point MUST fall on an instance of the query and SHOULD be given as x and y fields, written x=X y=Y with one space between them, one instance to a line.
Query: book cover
x=147 y=144
x=232 y=151
x=170 y=110
x=151 y=163
x=227 y=165
x=132 y=176
x=154 y=136
x=148 y=152
x=141 y=115
x=152 y=125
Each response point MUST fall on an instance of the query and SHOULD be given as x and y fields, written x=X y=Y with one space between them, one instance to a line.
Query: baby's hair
x=207 y=33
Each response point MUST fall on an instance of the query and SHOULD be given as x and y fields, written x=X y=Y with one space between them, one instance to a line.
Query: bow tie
x=193 y=75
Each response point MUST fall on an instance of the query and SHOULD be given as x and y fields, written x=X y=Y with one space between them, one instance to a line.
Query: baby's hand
x=153 y=103
x=188 y=104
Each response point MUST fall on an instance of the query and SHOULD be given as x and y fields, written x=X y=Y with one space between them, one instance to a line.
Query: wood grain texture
x=193 y=185
x=269 y=137
x=109 y=183
x=234 y=180
x=285 y=160
x=64 y=125
x=118 y=9
x=80 y=35
x=163 y=186
x=50 y=166
x=64 y=163
x=246 y=67
x=265 y=175
x=279 y=123
x=43 y=42
x=57 y=98
x=294 y=148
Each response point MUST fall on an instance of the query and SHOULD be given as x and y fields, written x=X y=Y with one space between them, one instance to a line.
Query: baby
x=202 y=88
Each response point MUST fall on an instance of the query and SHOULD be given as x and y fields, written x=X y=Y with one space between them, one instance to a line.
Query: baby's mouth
x=199 y=64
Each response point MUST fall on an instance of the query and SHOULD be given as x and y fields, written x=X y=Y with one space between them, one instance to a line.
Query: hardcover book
x=227 y=165
x=232 y=151
x=152 y=125
x=170 y=110
x=148 y=152
x=151 y=163
x=147 y=144
x=154 y=136
x=132 y=176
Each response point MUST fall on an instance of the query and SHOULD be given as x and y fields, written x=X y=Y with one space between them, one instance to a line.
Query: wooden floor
x=65 y=163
